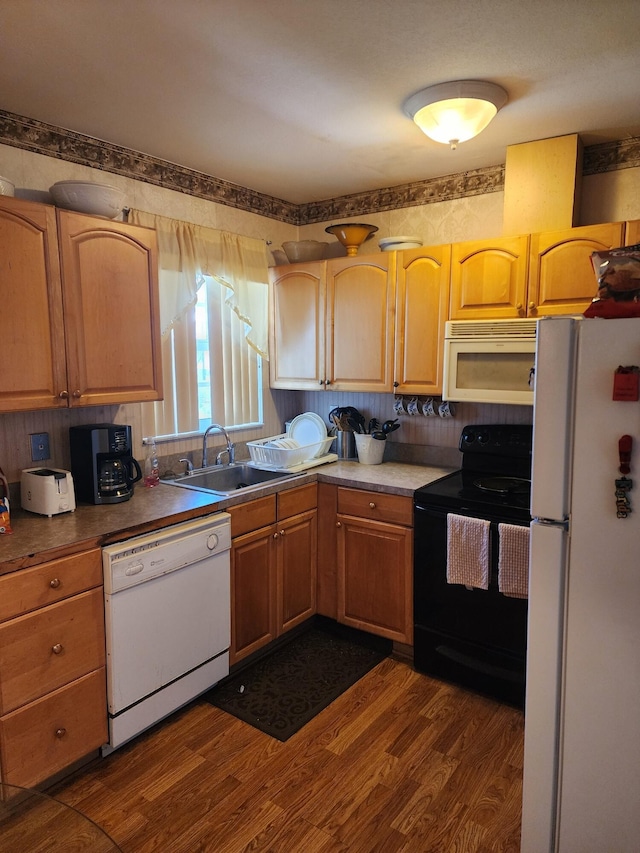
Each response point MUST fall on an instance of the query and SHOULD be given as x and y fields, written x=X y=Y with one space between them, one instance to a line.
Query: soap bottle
x=151 y=467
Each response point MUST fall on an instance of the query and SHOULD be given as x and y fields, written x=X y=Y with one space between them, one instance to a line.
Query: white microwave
x=489 y=361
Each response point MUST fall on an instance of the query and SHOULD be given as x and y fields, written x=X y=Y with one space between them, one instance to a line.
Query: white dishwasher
x=167 y=619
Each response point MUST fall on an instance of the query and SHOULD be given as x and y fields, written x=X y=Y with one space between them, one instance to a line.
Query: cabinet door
x=31 y=326
x=297 y=316
x=253 y=592
x=422 y=307
x=489 y=278
x=632 y=232
x=374 y=577
x=297 y=565
x=360 y=323
x=111 y=308
x=561 y=276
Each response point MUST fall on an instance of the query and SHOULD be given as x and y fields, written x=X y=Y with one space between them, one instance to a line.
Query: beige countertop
x=36 y=538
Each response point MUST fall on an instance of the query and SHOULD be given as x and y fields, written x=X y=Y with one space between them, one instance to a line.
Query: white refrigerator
x=582 y=716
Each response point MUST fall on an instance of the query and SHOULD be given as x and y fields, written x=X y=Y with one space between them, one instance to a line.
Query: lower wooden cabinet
x=273 y=567
x=53 y=705
x=374 y=563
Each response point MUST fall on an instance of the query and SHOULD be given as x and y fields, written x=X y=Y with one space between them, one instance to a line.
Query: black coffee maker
x=102 y=466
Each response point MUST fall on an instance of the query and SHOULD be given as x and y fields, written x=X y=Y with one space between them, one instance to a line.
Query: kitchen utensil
x=346 y=444
x=390 y=426
x=88 y=197
x=379 y=435
x=352 y=235
x=374 y=424
x=390 y=244
x=370 y=451
x=6 y=187
x=304 y=250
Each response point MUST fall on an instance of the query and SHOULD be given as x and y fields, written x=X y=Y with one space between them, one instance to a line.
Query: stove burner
x=503 y=485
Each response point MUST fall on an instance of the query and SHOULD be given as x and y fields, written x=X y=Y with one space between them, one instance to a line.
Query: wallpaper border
x=41 y=138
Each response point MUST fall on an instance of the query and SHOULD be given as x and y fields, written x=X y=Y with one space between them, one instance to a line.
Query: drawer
x=28 y=589
x=52 y=733
x=252 y=515
x=50 y=647
x=378 y=506
x=295 y=501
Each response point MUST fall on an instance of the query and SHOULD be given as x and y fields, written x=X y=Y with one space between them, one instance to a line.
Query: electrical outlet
x=39 y=446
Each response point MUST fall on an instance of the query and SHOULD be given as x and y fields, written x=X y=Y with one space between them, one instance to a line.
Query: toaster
x=47 y=491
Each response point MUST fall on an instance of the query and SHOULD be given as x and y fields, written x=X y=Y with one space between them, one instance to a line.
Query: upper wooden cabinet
x=332 y=324
x=561 y=275
x=422 y=307
x=80 y=311
x=495 y=279
x=489 y=278
x=632 y=232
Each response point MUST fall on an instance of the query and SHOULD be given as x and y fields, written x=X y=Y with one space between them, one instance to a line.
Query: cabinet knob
x=338 y=524
x=282 y=532
x=77 y=394
x=54 y=583
x=60 y=733
x=276 y=535
x=57 y=649
x=372 y=505
x=532 y=306
x=63 y=395
x=395 y=384
x=328 y=382
x=321 y=382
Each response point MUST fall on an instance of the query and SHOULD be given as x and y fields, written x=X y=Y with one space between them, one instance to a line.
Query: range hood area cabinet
x=530 y=275
x=370 y=323
x=80 y=315
x=332 y=324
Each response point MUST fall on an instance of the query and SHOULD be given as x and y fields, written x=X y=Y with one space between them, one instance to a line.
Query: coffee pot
x=104 y=471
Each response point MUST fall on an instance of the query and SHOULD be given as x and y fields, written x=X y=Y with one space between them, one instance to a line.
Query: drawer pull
x=372 y=505
x=57 y=649
x=60 y=733
x=54 y=583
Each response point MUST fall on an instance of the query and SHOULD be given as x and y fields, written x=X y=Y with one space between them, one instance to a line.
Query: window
x=213 y=289
x=211 y=373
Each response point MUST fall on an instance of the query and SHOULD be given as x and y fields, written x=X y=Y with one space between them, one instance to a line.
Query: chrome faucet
x=229 y=449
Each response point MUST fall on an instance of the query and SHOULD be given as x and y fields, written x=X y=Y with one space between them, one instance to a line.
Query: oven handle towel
x=468 y=551
x=513 y=560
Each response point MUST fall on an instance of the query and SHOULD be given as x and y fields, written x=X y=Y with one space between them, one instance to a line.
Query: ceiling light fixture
x=457 y=111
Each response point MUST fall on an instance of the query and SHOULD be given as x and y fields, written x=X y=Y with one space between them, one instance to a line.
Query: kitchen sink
x=227 y=479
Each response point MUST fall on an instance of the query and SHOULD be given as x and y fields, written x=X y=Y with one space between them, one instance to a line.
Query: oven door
x=472 y=637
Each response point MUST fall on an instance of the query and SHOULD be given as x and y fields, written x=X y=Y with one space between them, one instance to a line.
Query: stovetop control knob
x=468 y=436
x=483 y=437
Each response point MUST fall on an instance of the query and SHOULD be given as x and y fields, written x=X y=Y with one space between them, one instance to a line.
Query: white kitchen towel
x=468 y=551
x=513 y=560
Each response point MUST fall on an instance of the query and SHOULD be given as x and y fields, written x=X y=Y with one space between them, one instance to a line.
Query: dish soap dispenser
x=151 y=466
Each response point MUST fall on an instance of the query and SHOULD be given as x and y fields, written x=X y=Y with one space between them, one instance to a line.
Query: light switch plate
x=40 y=446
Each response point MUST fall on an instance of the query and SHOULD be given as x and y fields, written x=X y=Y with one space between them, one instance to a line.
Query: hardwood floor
x=400 y=762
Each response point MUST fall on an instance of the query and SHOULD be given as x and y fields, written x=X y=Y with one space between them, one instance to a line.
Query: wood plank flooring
x=400 y=762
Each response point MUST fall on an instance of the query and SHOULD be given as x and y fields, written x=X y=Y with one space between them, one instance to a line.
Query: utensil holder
x=345 y=444
x=370 y=449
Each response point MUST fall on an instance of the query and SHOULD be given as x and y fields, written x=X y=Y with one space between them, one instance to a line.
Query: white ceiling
x=303 y=100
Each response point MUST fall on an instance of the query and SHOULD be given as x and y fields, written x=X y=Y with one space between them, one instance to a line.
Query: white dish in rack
x=310 y=431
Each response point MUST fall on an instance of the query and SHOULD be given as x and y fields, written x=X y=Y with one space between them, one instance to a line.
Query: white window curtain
x=190 y=256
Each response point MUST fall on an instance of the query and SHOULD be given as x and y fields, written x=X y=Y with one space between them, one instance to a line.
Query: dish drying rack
x=293 y=459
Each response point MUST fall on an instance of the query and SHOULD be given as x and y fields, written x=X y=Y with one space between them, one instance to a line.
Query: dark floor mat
x=283 y=691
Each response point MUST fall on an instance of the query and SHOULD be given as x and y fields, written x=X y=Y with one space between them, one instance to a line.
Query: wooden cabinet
x=273 y=567
x=332 y=324
x=495 y=280
x=561 y=275
x=632 y=232
x=80 y=311
x=53 y=706
x=489 y=278
x=422 y=307
x=375 y=563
